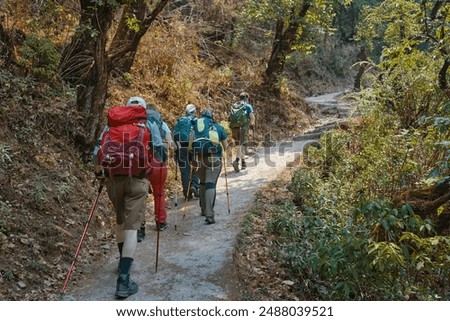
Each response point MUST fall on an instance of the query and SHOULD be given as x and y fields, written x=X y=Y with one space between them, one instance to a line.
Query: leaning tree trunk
x=275 y=65
x=5 y=45
x=438 y=18
x=126 y=40
x=85 y=64
x=362 y=57
x=285 y=37
x=443 y=82
x=282 y=46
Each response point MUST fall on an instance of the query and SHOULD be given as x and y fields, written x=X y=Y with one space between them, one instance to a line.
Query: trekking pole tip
x=64 y=297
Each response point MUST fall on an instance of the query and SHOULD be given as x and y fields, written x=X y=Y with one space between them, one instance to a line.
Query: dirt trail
x=195 y=260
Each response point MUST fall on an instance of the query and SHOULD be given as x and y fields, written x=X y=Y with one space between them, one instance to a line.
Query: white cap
x=190 y=109
x=137 y=101
x=243 y=95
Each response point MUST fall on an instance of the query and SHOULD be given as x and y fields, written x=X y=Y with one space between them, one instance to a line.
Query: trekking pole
x=157 y=246
x=72 y=266
x=254 y=128
x=186 y=198
x=175 y=198
x=158 y=224
x=226 y=183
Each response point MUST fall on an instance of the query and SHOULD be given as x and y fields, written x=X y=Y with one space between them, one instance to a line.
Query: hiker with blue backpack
x=183 y=156
x=240 y=119
x=122 y=161
x=208 y=145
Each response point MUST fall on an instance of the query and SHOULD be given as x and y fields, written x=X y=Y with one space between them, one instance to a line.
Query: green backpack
x=205 y=138
x=238 y=115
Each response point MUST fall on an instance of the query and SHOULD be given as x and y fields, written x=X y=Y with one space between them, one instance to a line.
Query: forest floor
x=197 y=261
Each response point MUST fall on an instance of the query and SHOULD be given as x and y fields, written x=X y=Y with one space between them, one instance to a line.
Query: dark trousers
x=208 y=171
x=185 y=163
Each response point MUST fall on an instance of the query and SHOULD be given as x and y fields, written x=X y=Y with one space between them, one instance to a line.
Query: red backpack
x=124 y=148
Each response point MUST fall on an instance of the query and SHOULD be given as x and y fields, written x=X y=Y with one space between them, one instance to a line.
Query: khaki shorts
x=239 y=135
x=129 y=197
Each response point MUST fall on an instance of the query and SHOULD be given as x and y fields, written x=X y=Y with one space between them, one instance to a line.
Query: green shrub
x=377 y=253
x=302 y=186
x=40 y=57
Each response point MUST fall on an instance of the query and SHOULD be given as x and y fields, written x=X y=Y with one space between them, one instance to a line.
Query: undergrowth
x=356 y=237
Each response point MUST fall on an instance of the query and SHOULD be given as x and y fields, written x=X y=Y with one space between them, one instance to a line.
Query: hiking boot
x=141 y=233
x=210 y=220
x=195 y=192
x=236 y=166
x=125 y=286
x=244 y=165
x=161 y=226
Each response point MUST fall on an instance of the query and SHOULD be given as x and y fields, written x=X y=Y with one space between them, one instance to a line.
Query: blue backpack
x=205 y=138
x=154 y=123
x=182 y=129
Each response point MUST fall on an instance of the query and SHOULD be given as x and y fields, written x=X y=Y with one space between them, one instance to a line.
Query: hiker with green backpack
x=240 y=119
x=181 y=133
x=209 y=139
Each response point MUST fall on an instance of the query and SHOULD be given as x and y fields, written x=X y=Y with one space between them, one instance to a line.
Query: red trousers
x=158 y=181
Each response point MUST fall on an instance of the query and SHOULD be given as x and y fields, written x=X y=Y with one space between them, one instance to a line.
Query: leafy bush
x=376 y=252
x=40 y=57
x=440 y=122
x=351 y=242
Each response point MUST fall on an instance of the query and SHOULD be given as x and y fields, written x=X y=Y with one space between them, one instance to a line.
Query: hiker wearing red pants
x=158 y=175
x=157 y=181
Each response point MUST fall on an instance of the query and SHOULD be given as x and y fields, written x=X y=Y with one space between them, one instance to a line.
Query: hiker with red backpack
x=240 y=119
x=208 y=145
x=122 y=160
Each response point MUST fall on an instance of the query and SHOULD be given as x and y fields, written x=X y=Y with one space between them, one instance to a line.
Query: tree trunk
x=275 y=64
x=438 y=19
x=126 y=41
x=85 y=65
x=5 y=45
x=10 y=40
x=437 y=6
x=285 y=37
x=443 y=82
x=426 y=202
x=362 y=57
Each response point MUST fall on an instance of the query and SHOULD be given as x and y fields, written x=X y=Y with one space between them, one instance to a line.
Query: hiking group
x=131 y=159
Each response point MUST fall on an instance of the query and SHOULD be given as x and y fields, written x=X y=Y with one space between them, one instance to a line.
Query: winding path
x=195 y=260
